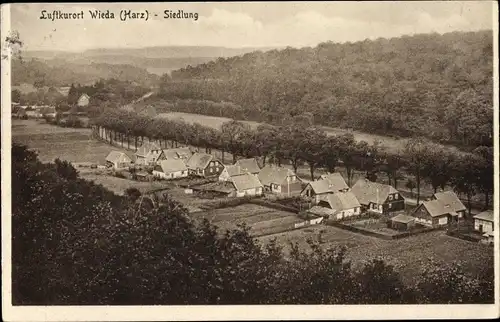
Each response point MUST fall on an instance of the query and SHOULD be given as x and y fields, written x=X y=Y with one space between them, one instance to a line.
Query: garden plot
x=261 y=220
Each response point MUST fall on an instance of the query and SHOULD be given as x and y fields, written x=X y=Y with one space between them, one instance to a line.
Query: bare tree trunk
x=222 y=156
x=418 y=186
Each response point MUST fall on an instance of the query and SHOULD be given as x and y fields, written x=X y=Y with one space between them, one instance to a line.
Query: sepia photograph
x=249 y=160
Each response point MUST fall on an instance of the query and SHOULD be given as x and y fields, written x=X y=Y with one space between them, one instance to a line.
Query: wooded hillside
x=438 y=86
x=62 y=73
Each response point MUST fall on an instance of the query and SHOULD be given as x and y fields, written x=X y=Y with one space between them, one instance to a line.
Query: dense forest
x=60 y=72
x=76 y=243
x=438 y=86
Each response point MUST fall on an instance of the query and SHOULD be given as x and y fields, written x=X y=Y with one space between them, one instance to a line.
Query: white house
x=484 y=222
x=83 y=100
x=338 y=206
x=247 y=185
x=118 y=160
x=170 y=169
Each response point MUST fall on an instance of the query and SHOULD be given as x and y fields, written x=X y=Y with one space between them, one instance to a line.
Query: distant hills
x=156 y=60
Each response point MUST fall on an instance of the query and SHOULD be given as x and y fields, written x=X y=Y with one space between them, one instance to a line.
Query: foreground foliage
x=75 y=242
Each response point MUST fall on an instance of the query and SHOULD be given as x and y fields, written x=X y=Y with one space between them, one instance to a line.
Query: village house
x=402 y=222
x=484 y=222
x=247 y=185
x=435 y=213
x=248 y=165
x=170 y=169
x=83 y=100
x=337 y=206
x=450 y=198
x=183 y=153
x=327 y=184
x=148 y=153
x=280 y=180
x=242 y=166
x=118 y=160
x=377 y=197
x=204 y=165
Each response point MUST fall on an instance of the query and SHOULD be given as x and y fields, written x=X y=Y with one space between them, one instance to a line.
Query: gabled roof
x=84 y=95
x=177 y=153
x=450 y=198
x=320 y=186
x=485 y=215
x=199 y=161
x=273 y=174
x=342 y=201
x=246 y=181
x=437 y=208
x=248 y=165
x=146 y=148
x=172 y=165
x=115 y=156
x=401 y=218
x=368 y=191
x=336 y=181
x=233 y=170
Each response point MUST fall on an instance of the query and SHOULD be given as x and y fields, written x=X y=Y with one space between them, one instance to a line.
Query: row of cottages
x=280 y=180
x=327 y=184
x=377 y=197
x=170 y=169
x=444 y=208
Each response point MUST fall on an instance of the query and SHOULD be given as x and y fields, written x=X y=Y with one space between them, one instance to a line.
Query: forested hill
x=59 y=72
x=439 y=86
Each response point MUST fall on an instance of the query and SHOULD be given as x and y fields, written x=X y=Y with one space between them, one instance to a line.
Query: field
x=51 y=142
x=391 y=144
x=409 y=255
x=261 y=220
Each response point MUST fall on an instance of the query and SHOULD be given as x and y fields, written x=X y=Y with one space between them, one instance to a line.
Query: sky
x=240 y=24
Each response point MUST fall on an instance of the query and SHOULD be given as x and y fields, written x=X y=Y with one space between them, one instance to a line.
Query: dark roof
x=248 y=165
x=485 y=215
x=273 y=174
x=368 y=191
x=401 y=218
x=450 y=198
x=246 y=181
x=199 y=161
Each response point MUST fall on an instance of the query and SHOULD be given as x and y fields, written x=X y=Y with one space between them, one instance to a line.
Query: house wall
x=346 y=213
x=293 y=188
x=394 y=202
x=214 y=168
x=487 y=226
x=170 y=175
x=224 y=176
x=422 y=216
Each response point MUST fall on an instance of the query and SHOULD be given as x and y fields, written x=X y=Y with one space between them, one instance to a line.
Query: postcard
x=250 y=160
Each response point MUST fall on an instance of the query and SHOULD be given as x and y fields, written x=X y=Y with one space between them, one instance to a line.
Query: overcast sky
x=246 y=24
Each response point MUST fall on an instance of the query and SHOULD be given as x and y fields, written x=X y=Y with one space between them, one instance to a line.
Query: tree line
x=301 y=142
x=431 y=85
x=77 y=243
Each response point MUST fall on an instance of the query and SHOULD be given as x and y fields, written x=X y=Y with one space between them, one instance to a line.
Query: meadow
x=409 y=255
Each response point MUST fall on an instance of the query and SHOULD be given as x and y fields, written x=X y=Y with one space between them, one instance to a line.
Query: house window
x=396 y=196
x=390 y=205
x=390 y=197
